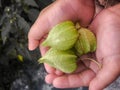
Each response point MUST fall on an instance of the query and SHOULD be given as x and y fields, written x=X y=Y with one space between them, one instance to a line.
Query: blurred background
x=19 y=69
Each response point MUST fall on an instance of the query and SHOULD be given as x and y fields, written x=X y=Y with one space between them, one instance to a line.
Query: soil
x=108 y=3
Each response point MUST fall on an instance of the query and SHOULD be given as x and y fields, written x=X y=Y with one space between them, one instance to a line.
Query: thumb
x=59 y=11
x=109 y=72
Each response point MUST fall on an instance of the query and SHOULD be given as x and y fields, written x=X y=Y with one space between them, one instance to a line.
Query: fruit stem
x=99 y=65
x=77 y=25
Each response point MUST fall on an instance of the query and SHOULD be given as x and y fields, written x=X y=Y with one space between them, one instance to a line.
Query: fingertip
x=43 y=50
x=74 y=80
x=49 y=69
x=33 y=44
x=60 y=82
x=49 y=78
x=58 y=72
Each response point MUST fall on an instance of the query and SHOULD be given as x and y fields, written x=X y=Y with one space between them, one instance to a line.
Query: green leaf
x=33 y=14
x=5 y=32
x=31 y=3
x=62 y=60
x=46 y=2
x=22 y=50
x=23 y=24
x=2 y=19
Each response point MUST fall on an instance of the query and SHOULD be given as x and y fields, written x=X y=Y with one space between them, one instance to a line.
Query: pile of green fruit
x=67 y=42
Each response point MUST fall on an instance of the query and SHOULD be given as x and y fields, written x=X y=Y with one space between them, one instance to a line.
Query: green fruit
x=86 y=41
x=62 y=36
x=62 y=60
x=62 y=39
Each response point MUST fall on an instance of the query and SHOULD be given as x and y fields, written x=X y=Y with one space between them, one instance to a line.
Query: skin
x=106 y=26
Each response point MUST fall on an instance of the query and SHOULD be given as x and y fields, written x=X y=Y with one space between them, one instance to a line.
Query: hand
x=106 y=26
x=60 y=10
x=108 y=43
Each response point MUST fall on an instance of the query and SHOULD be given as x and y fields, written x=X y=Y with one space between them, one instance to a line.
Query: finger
x=109 y=72
x=52 y=70
x=49 y=78
x=58 y=72
x=74 y=80
x=60 y=11
x=49 y=69
x=43 y=50
x=81 y=67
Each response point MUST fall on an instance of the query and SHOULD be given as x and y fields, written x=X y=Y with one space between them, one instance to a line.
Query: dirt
x=108 y=3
